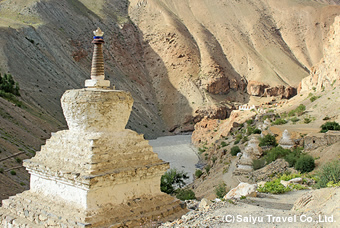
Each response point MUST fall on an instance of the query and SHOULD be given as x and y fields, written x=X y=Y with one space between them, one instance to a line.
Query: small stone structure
x=247 y=107
x=245 y=163
x=315 y=140
x=286 y=142
x=97 y=173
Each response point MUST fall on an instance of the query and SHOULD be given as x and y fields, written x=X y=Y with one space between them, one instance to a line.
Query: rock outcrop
x=326 y=74
x=255 y=88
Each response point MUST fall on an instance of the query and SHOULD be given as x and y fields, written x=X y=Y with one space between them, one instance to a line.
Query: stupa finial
x=98 y=32
x=97 y=70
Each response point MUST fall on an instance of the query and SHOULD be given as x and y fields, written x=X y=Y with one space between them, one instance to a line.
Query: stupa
x=286 y=142
x=251 y=151
x=96 y=173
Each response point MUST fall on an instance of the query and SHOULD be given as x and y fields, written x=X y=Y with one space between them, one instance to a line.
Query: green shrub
x=279 y=122
x=293 y=156
x=13 y=172
x=18 y=160
x=274 y=187
x=173 y=179
x=207 y=168
x=250 y=121
x=1 y=170
x=268 y=140
x=276 y=153
x=239 y=137
x=236 y=142
x=299 y=110
x=330 y=126
x=213 y=159
x=185 y=194
x=329 y=172
x=307 y=120
x=305 y=164
x=245 y=139
x=198 y=173
x=258 y=163
x=8 y=85
x=257 y=131
x=223 y=144
x=313 y=98
x=234 y=150
x=221 y=190
x=294 y=119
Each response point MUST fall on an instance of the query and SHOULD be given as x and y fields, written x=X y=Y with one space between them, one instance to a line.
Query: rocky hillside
x=180 y=60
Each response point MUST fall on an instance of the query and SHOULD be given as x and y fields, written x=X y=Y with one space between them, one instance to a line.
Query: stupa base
x=33 y=210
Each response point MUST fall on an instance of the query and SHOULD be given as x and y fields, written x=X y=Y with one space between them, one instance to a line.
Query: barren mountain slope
x=218 y=45
x=175 y=57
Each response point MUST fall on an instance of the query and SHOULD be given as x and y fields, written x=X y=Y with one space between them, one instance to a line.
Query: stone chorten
x=97 y=173
x=251 y=152
x=286 y=142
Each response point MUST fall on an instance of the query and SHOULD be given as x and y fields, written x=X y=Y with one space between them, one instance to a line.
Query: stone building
x=97 y=173
x=315 y=140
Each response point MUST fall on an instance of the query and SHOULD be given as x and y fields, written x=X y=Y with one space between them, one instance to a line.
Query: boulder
x=292 y=181
x=204 y=204
x=243 y=189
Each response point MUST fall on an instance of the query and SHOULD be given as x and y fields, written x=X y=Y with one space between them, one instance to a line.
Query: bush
x=305 y=164
x=13 y=172
x=207 y=168
x=274 y=187
x=268 y=140
x=294 y=119
x=293 y=156
x=234 y=150
x=257 y=131
x=185 y=194
x=172 y=179
x=220 y=190
x=250 y=121
x=279 y=122
x=198 y=173
x=258 y=163
x=1 y=170
x=330 y=126
x=223 y=144
x=8 y=85
x=329 y=172
x=276 y=153
x=299 y=110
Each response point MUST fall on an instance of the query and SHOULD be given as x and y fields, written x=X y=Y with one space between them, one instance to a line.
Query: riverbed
x=178 y=151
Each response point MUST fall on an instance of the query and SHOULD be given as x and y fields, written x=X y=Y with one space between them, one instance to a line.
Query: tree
x=173 y=179
x=268 y=140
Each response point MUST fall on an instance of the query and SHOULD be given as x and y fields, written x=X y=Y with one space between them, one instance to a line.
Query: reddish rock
x=203 y=130
x=216 y=85
x=212 y=112
x=281 y=91
x=255 y=88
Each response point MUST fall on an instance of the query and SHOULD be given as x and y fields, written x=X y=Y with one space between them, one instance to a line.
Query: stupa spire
x=97 y=70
